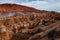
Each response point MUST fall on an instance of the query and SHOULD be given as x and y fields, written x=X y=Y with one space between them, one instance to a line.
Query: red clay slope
x=11 y=7
x=7 y=7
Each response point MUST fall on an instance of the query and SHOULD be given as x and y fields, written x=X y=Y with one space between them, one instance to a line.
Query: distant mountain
x=10 y=7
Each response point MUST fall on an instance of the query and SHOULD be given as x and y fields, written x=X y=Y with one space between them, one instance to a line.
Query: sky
x=50 y=5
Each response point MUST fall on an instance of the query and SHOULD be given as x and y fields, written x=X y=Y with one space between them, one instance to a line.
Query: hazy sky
x=52 y=5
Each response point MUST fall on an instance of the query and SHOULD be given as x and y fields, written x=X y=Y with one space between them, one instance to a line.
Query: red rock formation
x=17 y=18
x=9 y=7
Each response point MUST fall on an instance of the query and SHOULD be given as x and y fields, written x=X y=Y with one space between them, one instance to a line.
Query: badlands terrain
x=19 y=22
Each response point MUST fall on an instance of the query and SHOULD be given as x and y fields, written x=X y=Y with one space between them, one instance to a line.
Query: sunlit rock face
x=3 y=32
x=17 y=18
x=2 y=29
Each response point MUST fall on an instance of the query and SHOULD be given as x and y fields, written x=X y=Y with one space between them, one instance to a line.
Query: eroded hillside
x=15 y=19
